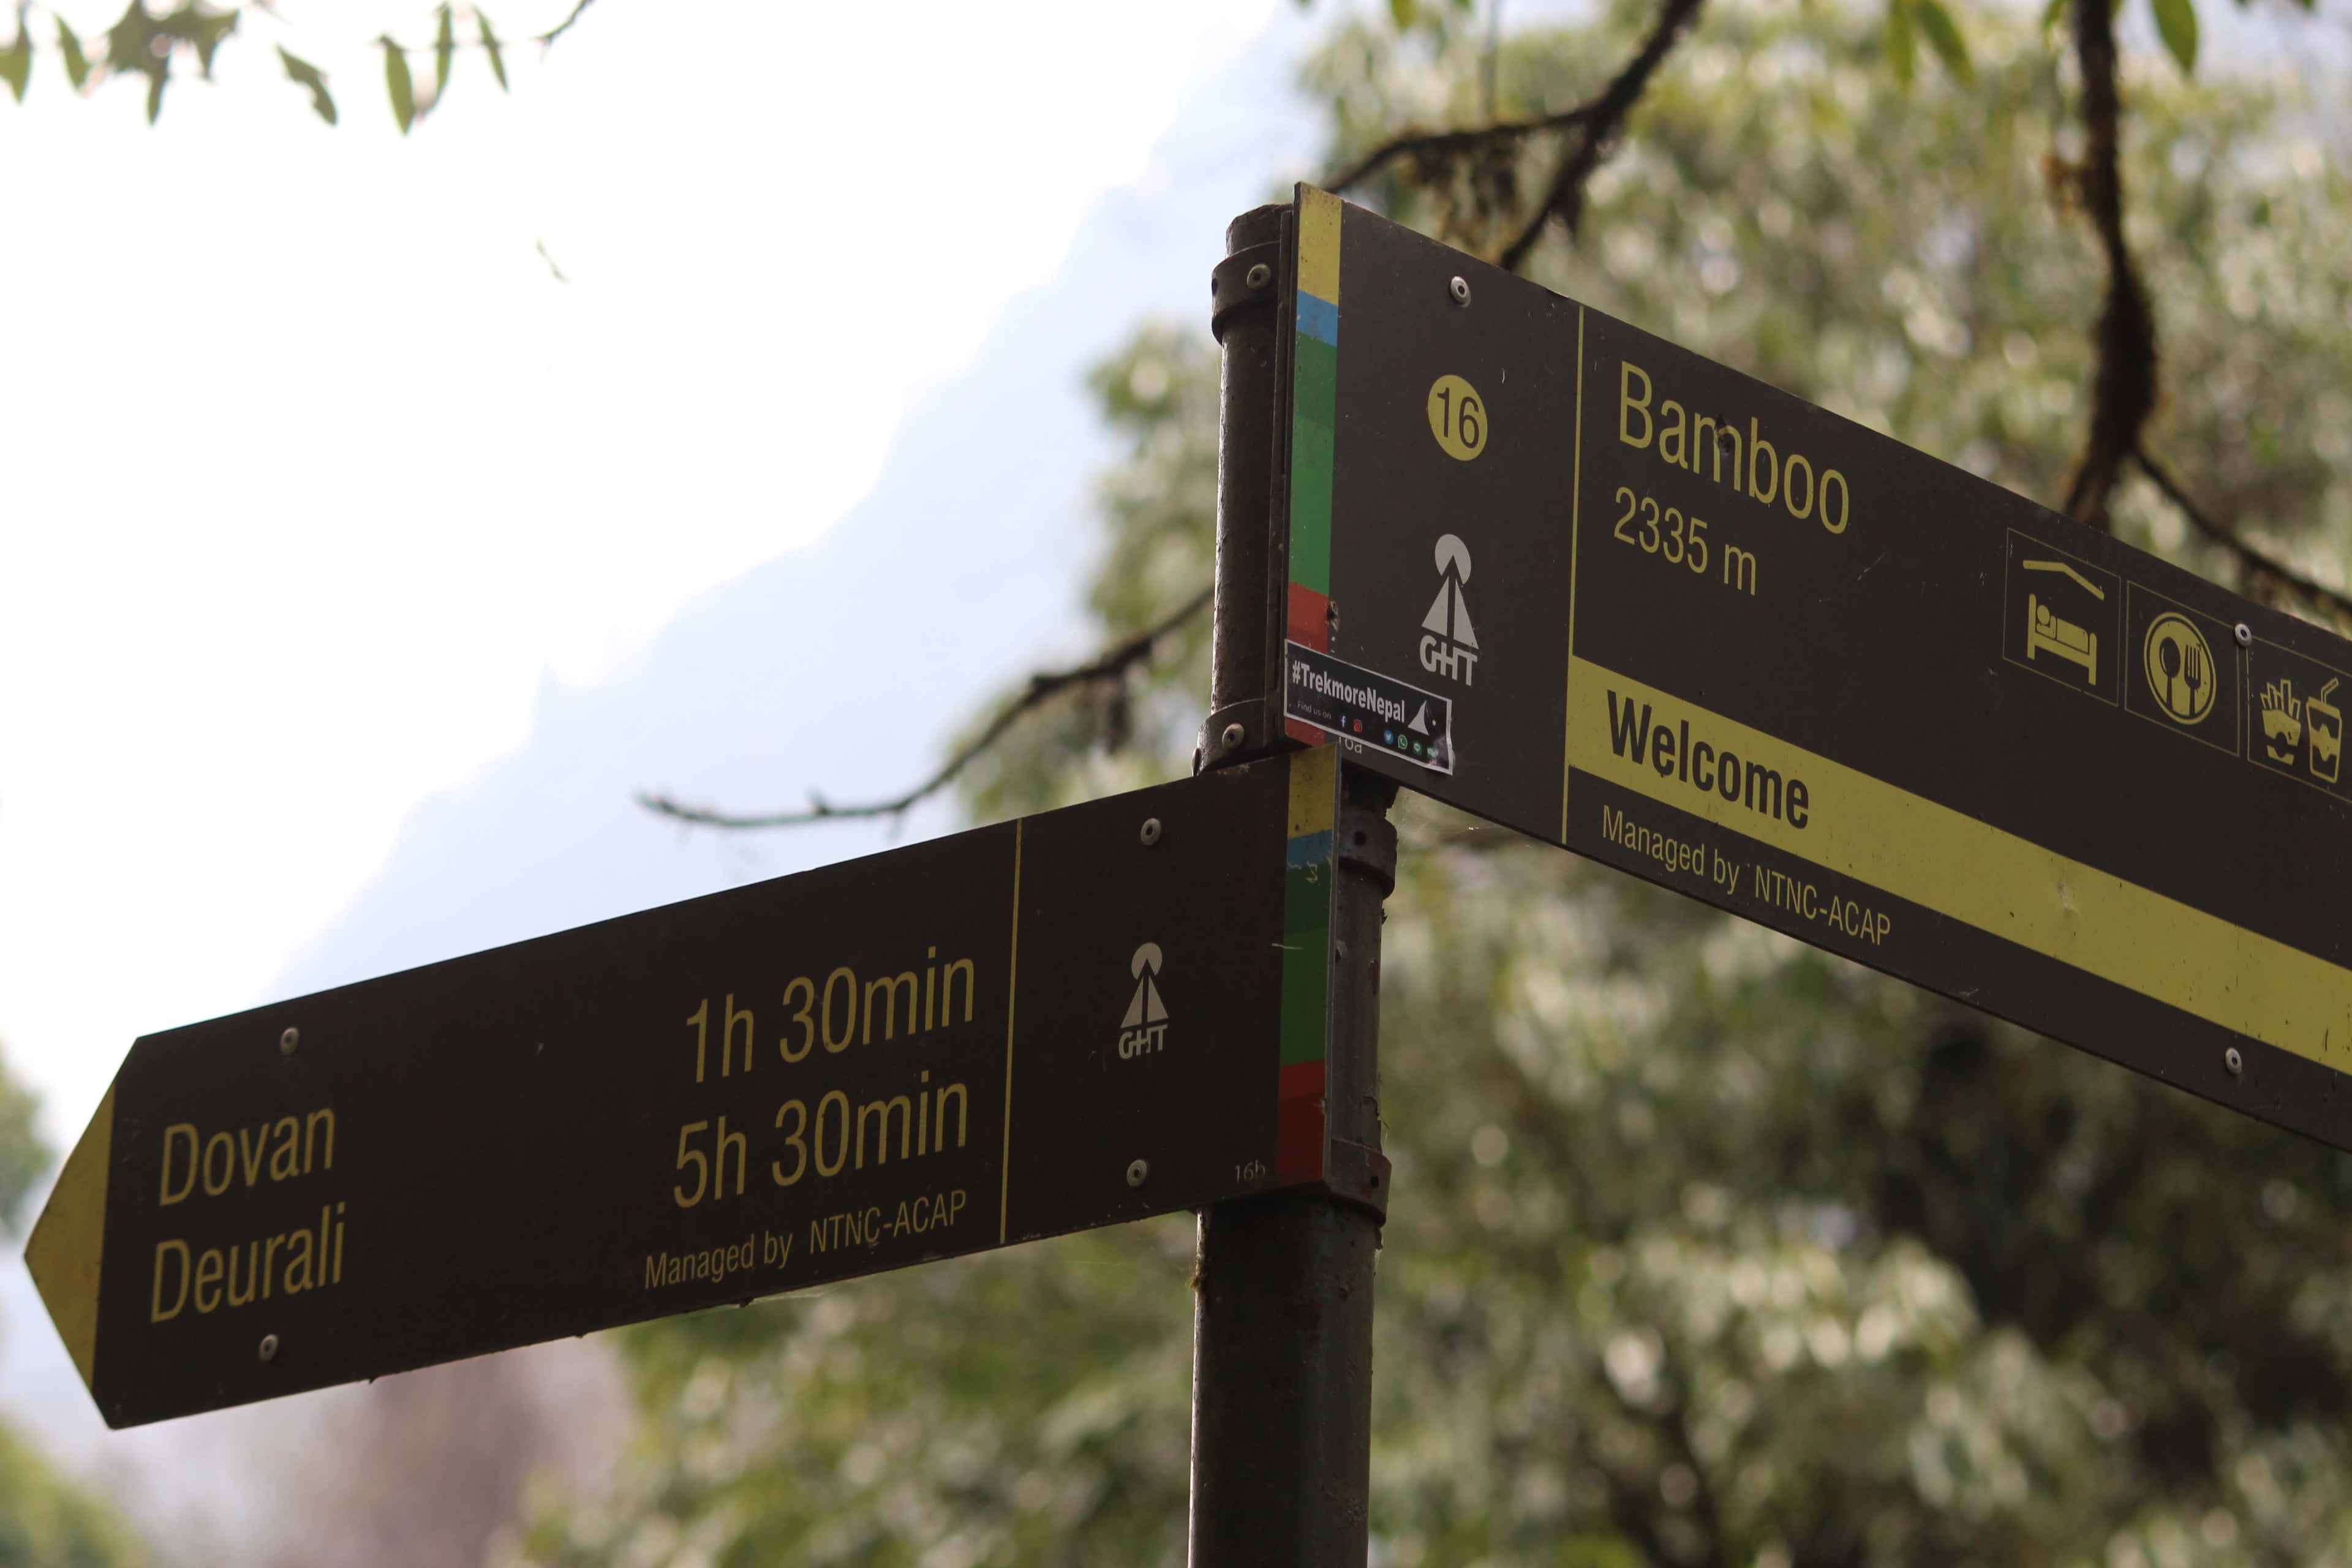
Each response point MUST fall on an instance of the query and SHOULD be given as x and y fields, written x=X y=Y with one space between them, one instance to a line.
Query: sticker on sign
x=1381 y=714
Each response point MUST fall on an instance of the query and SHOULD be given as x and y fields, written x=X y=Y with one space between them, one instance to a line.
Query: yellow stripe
x=1318 y=244
x=1311 y=791
x=69 y=1239
x=1953 y=864
x=1012 y=983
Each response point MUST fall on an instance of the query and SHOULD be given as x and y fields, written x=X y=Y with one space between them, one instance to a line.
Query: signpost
x=1087 y=1017
x=1559 y=572
x=1473 y=538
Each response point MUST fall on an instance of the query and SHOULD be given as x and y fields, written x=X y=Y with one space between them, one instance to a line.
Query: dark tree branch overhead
x=2123 y=391
x=1106 y=669
x=564 y=26
x=2253 y=561
x=1591 y=128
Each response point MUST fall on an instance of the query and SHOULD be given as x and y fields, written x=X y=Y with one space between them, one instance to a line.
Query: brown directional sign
x=1087 y=1016
x=1606 y=591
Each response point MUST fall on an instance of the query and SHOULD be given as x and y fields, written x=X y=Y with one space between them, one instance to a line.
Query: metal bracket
x=1217 y=746
x=1358 y=1175
x=1246 y=278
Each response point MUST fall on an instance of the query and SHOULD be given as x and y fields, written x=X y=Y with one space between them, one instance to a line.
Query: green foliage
x=46 y=1522
x=398 y=85
x=2175 y=23
x=17 y=59
x=303 y=72
x=1706 y=1247
x=24 y=1156
x=144 y=44
x=77 y=62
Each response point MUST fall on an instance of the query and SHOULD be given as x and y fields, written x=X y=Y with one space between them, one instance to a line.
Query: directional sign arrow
x=1758 y=653
x=1082 y=1018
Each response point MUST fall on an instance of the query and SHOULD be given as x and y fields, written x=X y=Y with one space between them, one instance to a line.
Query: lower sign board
x=1686 y=624
x=1091 y=1015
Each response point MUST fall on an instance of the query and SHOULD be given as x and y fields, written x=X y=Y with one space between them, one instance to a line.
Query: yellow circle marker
x=1458 y=417
x=2181 y=674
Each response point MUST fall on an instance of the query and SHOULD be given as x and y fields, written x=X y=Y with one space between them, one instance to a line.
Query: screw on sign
x=908 y=1056
x=1773 y=660
x=1750 y=650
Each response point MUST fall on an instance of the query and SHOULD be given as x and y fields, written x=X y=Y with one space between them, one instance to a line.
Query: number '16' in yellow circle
x=1458 y=417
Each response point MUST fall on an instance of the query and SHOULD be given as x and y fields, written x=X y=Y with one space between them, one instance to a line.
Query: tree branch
x=1105 y=669
x=564 y=26
x=1565 y=200
x=1447 y=146
x=2251 y=560
x=2123 y=391
x=1596 y=122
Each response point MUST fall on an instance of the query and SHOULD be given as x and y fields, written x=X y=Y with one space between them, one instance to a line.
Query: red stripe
x=1298 y=1125
x=1310 y=618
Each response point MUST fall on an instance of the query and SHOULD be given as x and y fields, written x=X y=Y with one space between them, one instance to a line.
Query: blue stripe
x=1318 y=318
x=1310 y=850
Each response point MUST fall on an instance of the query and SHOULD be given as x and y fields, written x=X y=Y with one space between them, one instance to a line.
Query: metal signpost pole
x=1283 y=1314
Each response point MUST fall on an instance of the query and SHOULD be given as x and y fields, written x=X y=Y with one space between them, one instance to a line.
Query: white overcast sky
x=310 y=469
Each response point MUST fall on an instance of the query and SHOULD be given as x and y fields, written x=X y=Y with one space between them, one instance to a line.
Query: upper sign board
x=1684 y=623
x=1087 y=1017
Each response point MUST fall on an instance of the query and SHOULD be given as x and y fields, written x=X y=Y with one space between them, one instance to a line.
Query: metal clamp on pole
x=1281 y=1326
x=1248 y=302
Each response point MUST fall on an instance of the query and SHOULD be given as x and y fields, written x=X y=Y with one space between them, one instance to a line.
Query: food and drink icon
x=2326 y=722
x=2181 y=674
x=2282 y=723
x=2294 y=724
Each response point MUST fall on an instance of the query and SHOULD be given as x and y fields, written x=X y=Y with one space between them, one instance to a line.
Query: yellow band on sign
x=1946 y=861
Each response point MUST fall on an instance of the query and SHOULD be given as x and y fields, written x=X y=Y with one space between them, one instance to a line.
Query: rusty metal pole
x=1282 y=1328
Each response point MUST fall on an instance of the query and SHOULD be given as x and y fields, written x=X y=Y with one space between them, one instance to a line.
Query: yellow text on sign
x=1458 y=417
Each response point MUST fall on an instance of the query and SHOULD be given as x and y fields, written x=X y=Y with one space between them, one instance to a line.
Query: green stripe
x=1305 y=937
x=1314 y=403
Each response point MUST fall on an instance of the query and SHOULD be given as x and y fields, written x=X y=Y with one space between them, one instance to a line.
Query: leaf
x=200 y=29
x=302 y=71
x=2175 y=23
x=1902 y=44
x=491 y=47
x=398 y=83
x=2053 y=14
x=445 y=50
x=1944 y=38
x=77 y=62
x=17 y=60
x=1402 y=12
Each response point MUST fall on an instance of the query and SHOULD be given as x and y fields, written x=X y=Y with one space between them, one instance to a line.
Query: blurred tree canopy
x=150 y=44
x=46 y=1522
x=1706 y=1247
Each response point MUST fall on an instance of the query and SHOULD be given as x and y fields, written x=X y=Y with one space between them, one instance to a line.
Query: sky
x=315 y=472
x=354 y=568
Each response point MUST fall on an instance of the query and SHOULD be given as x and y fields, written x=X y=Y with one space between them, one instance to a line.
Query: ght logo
x=1145 y=1028
x=1448 y=646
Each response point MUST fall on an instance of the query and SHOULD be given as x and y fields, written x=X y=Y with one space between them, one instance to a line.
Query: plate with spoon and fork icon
x=2181 y=674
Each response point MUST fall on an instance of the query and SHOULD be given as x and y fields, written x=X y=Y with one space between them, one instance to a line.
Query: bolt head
x=1460 y=288
x=269 y=1347
x=2245 y=634
x=1257 y=276
x=1151 y=833
x=2234 y=1061
x=1138 y=1173
x=288 y=1041
x=1234 y=735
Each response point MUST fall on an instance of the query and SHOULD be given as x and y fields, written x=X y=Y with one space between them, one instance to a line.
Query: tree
x=149 y=44
x=44 y=1521
x=1706 y=1247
